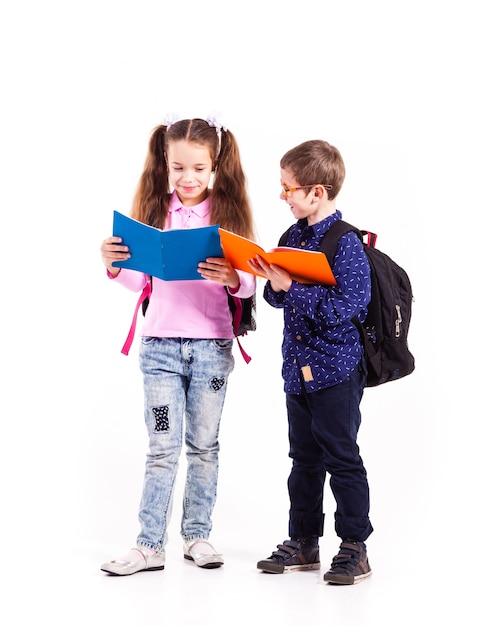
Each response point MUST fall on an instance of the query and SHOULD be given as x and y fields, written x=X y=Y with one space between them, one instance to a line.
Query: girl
x=187 y=335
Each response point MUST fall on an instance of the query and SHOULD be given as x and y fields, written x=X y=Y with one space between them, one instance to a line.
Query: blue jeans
x=185 y=382
x=323 y=428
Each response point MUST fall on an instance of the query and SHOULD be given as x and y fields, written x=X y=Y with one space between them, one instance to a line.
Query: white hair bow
x=214 y=120
x=171 y=118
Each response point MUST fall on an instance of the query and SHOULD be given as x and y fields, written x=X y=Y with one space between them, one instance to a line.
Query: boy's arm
x=274 y=298
x=331 y=306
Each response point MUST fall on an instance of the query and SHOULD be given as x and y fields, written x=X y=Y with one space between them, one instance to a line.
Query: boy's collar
x=320 y=228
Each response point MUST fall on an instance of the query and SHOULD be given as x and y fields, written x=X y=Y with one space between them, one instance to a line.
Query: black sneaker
x=291 y=556
x=350 y=565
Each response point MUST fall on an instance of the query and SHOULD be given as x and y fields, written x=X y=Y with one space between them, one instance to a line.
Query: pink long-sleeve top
x=196 y=309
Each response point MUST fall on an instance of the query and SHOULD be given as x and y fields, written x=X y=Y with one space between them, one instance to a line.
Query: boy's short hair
x=316 y=161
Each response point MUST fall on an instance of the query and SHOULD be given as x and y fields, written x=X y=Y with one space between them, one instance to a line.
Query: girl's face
x=190 y=167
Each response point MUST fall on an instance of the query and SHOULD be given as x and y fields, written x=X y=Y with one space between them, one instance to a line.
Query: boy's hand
x=279 y=278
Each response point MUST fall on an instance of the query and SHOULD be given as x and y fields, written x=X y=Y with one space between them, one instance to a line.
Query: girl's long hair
x=230 y=205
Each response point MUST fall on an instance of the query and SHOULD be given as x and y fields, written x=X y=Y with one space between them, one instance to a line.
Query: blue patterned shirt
x=321 y=346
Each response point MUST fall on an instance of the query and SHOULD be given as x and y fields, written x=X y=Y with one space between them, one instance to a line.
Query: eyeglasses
x=287 y=190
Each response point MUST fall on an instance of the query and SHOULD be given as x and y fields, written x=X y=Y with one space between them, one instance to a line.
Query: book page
x=182 y=249
x=167 y=254
x=304 y=266
x=144 y=244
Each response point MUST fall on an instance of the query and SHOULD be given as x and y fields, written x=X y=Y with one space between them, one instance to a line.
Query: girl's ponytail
x=230 y=203
x=151 y=200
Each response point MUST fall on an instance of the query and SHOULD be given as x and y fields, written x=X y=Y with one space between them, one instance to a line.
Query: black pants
x=323 y=429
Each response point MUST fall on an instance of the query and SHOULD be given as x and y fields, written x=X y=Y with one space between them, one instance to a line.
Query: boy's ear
x=319 y=192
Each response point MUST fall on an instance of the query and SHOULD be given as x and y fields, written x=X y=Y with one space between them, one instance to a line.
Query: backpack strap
x=331 y=238
x=142 y=298
x=329 y=247
x=371 y=238
x=247 y=358
x=283 y=239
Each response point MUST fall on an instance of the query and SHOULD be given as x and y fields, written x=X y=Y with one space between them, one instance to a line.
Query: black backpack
x=384 y=333
x=243 y=312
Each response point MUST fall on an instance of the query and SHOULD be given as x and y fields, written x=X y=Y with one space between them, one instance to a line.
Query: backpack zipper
x=398 y=320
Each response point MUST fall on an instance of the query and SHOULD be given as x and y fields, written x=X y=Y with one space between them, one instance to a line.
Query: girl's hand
x=113 y=250
x=279 y=278
x=220 y=271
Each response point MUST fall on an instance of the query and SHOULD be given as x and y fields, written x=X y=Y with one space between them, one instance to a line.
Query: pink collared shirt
x=195 y=309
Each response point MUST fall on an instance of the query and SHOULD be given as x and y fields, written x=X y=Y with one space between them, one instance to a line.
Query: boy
x=323 y=372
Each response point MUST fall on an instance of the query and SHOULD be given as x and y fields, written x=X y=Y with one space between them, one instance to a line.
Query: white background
x=397 y=88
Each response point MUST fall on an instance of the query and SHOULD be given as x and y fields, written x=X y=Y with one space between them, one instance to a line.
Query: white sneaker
x=137 y=560
x=202 y=553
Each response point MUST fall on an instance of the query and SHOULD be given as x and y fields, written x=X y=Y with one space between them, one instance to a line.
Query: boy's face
x=303 y=202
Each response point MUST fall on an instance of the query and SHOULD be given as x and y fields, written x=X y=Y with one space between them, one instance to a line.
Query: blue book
x=167 y=254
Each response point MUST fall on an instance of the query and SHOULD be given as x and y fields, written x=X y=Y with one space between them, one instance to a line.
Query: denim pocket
x=223 y=344
x=149 y=340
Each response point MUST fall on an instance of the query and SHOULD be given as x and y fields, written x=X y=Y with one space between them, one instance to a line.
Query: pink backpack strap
x=145 y=294
x=244 y=354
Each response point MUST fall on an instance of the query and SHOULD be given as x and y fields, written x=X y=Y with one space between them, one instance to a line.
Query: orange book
x=304 y=266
